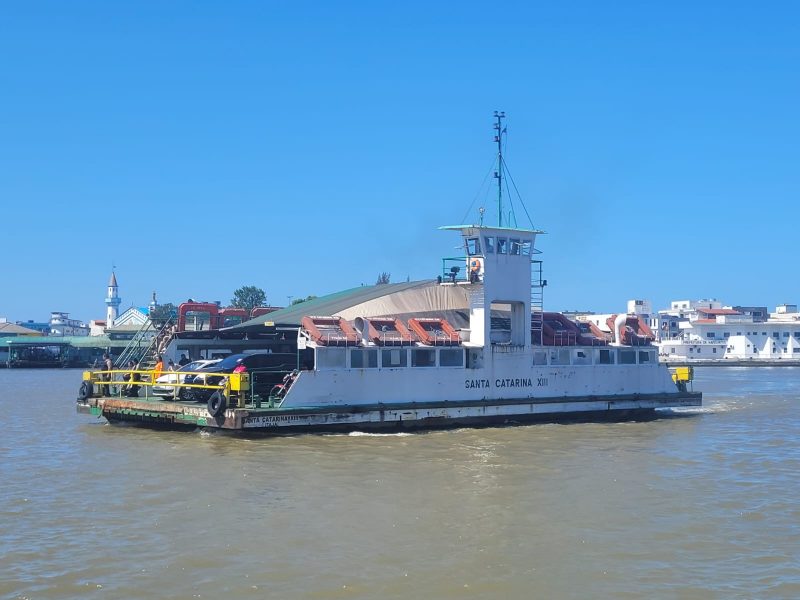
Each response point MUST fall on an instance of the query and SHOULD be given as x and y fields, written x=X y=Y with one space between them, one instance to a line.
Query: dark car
x=266 y=370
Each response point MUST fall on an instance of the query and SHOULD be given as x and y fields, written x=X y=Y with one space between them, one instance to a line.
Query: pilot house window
x=473 y=246
x=488 y=242
x=502 y=246
x=516 y=246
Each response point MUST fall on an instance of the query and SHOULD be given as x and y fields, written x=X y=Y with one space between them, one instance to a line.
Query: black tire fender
x=217 y=404
x=85 y=391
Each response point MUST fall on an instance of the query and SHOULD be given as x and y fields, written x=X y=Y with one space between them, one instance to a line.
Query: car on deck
x=266 y=368
x=164 y=390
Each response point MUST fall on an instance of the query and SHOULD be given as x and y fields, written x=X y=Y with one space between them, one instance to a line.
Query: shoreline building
x=719 y=332
x=61 y=325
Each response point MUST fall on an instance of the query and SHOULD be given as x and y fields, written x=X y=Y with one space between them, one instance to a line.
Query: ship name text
x=509 y=382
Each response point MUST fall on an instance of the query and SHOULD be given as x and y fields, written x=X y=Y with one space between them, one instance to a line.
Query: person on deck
x=108 y=365
x=183 y=361
x=131 y=390
x=158 y=368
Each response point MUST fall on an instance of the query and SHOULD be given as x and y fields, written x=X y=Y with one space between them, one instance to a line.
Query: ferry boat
x=513 y=363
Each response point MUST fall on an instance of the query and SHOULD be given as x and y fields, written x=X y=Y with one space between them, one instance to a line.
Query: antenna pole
x=498 y=137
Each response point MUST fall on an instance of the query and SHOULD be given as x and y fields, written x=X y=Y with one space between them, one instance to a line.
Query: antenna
x=498 y=137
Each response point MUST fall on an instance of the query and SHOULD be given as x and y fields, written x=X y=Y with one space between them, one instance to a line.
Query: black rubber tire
x=217 y=404
x=85 y=391
x=180 y=395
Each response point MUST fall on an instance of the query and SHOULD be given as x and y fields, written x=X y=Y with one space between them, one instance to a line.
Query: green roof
x=326 y=305
x=77 y=341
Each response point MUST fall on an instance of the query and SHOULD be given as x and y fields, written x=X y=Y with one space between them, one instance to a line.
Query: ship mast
x=500 y=130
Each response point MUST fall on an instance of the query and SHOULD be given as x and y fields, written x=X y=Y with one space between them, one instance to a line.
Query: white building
x=733 y=334
x=61 y=324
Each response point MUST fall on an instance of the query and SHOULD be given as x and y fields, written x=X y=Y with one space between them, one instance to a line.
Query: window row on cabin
x=499 y=245
x=597 y=356
x=393 y=358
x=388 y=358
x=775 y=334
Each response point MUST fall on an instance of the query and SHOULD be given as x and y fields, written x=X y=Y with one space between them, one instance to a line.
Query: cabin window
x=331 y=358
x=526 y=248
x=502 y=245
x=423 y=357
x=581 y=357
x=516 y=247
x=362 y=358
x=451 y=357
x=489 y=243
x=473 y=246
x=559 y=356
x=539 y=357
x=197 y=320
x=644 y=357
x=606 y=357
x=395 y=357
x=627 y=357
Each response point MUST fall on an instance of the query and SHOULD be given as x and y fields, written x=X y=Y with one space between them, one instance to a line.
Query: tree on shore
x=249 y=296
x=383 y=278
x=163 y=313
x=299 y=300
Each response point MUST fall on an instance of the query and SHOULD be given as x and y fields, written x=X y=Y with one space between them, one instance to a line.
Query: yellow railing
x=232 y=385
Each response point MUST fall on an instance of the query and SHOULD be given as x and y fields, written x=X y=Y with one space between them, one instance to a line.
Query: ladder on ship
x=537 y=302
x=149 y=341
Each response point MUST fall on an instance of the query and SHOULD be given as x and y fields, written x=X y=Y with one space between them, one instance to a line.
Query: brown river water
x=704 y=503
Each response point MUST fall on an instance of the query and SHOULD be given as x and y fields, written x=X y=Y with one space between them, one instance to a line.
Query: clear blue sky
x=305 y=147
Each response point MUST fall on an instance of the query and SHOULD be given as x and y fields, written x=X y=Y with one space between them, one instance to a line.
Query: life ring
x=217 y=404
x=85 y=391
x=475 y=265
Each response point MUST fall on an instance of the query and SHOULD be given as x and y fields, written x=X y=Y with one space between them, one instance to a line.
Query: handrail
x=232 y=384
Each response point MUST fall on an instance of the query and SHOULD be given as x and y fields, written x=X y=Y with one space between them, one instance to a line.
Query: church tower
x=112 y=301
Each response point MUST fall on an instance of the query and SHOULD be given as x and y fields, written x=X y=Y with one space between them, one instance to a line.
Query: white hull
x=510 y=378
x=411 y=416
